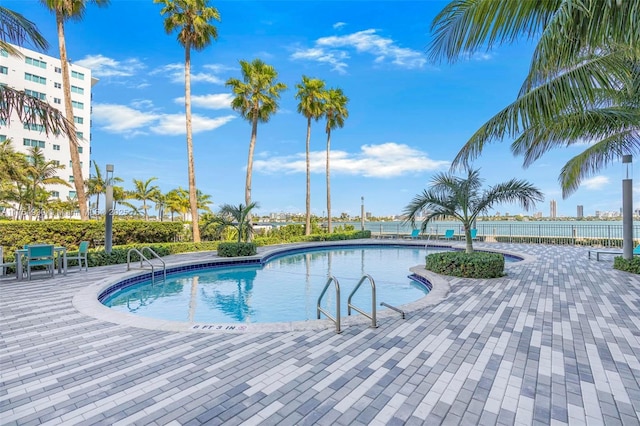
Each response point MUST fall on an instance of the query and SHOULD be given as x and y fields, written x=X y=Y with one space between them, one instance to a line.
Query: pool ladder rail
x=350 y=306
x=144 y=259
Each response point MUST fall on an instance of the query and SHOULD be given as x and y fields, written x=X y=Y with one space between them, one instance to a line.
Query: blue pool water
x=285 y=288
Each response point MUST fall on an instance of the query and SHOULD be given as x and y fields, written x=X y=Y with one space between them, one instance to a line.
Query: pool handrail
x=154 y=254
x=372 y=317
x=142 y=259
x=336 y=320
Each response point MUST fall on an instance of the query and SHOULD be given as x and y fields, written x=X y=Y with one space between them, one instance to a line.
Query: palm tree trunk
x=78 y=180
x=192 y=174
x=328 y=182
x=144 y=206
x=247 y=188
x=467 y=236
x=307 y=229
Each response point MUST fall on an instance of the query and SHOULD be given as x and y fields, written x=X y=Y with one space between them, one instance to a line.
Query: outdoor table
x=59 y=252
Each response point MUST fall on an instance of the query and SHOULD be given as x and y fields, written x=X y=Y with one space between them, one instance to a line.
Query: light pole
x=362 y=213
x=108 y=216
x=627 y=211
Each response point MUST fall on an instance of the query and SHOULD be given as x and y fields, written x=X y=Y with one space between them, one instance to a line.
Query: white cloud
x=102 y=67
x=128 y=121
x=382 y=161
x=330 y=49
x=339 y=25
x=479 y=56
x=213 y=101
x=174 y=124
x=596 y=182
x=175 y=74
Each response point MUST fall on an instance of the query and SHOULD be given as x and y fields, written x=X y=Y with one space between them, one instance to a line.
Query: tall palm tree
x=178 y=202
x=15 y=28
x=335 y=109
x=585 y=89
x=256 y=99
x=463 y=198
x=311 y=94
x=204 y=200
x=65 y=10
x=192 y=20
x=144 y=191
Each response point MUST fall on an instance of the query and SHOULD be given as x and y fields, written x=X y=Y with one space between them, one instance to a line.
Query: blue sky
x=407 y=120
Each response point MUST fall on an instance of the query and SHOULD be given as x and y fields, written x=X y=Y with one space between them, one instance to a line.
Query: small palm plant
x=237 y=217
x=462 y=198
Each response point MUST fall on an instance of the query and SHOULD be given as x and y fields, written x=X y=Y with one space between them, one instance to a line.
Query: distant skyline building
x=553 y=209
x=580 y=212
x=40 y=76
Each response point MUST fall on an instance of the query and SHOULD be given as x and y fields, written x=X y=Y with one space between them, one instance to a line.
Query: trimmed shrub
x=236 y=249
x=118 y=255
x=467 y=265
x=623 y=264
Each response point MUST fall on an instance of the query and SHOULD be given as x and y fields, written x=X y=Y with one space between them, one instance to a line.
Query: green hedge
x=292 y=236
x=467 y=265
x=118 y=255
x=69 y=233
x=623 y=264
x=237 y=249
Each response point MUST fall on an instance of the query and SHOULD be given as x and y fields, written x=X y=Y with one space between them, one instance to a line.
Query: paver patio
x=557 y=341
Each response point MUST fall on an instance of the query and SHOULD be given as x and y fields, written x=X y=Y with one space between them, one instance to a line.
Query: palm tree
x=64 y=10
x=335 y=109
x=192 y=20
x=142 y=191
x=204 y=200
x=256 y=99
x=583 y=90
x=15 y=28
x=40 y=173
x=161 y=203
x=311 y=94
x=462 y=198
x=237 y=217
x=178 y=202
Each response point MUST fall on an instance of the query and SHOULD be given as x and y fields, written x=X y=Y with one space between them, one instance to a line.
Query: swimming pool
x=285 y=288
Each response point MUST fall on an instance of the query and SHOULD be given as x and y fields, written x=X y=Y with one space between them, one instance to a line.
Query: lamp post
x=362 y=213
x=627 y=211
x=108 y=216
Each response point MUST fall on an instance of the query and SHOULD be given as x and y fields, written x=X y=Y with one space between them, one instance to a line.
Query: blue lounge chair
x=40 y=255
x=474 y=234
x=415 y=234
x=449 y=234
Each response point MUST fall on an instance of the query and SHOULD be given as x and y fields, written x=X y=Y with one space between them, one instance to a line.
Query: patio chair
x=474 y=234
x=598 y=253
x=40 y=255
x=415 y=234
x=82 y=255
x=4 y=264
x=449 y=234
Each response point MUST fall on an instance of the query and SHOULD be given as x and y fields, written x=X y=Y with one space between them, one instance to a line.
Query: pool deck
x=556 y=341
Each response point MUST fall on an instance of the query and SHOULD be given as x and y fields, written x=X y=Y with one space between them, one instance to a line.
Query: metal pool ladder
x=372 y=317
x=336 y=320
x=145 y=259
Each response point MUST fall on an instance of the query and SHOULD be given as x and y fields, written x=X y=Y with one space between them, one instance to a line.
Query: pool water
x=286 y=288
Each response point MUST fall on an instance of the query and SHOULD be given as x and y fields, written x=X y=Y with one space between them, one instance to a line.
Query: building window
x=77 y=104
x=57 y=101
x=4 y=70
x=56 y=147
x=78 y=75
x=3 y=138
x=80 y=135
x=73 y=194
x=4 y=53
x=33 y=142
x=39 y=95
x=57 y=85
x=78 y=120
x=58 y=70
x=36 y=62
x=71 y=178
x=37 y=127
x=78 y=90
x=56 y=162
x=35 y=78
x=55 y=194
x=80 y=149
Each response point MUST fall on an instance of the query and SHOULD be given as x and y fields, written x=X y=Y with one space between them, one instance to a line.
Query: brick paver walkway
x=556 y=341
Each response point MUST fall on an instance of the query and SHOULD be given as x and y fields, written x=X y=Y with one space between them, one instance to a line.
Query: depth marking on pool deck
x=219 y=327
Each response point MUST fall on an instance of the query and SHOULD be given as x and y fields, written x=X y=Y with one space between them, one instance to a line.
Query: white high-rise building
x=41 y=76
